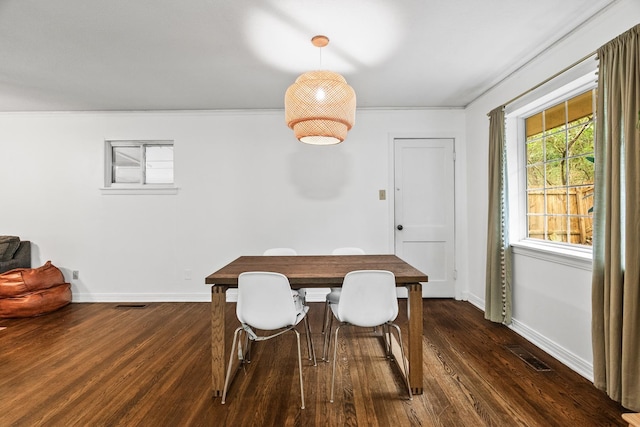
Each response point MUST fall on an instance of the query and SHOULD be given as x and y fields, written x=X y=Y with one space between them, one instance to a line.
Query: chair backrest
x=368 y=298
x=347 y=251
x=280 y=251
x=265 y=300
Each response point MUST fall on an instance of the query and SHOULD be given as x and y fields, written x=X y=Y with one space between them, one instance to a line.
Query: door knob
x=399 y=227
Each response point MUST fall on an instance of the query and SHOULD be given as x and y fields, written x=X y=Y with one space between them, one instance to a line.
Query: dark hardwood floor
x=98 y=365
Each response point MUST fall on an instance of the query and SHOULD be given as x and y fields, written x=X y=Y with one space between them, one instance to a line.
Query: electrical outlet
x=75 y=273
x=187 y=274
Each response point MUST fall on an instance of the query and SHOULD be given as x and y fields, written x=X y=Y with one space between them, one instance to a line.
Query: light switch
x=382 y=194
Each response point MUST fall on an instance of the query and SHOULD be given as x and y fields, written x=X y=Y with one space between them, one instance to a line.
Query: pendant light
x=320 y=106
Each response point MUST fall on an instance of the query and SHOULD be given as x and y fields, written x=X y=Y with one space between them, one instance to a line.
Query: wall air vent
x=131 y=306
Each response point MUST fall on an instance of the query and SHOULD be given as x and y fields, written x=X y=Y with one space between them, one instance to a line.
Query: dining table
x=316 y=271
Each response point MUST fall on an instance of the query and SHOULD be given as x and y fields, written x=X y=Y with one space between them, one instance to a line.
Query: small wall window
x=139 y=165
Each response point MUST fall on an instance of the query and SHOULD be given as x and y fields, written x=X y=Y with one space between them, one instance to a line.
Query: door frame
x=461 y=289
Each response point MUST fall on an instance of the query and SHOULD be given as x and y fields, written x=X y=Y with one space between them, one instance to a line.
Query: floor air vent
x=528 y=358
x=131 y=306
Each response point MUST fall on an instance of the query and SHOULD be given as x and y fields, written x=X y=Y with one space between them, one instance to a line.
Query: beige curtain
x=498 y=281
x=616 y=249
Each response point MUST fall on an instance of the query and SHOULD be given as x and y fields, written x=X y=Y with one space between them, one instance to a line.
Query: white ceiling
x=243 y=54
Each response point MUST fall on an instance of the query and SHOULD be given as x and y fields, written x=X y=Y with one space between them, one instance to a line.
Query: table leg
x=414 y=312
x=218 y=350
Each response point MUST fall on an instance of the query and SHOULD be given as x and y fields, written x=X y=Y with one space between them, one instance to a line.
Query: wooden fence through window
x=569 y=215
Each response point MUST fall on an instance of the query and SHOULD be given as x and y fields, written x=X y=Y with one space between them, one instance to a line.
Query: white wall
x=551 y=301
x=245 y=185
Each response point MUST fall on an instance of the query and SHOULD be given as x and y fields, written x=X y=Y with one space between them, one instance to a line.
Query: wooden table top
x=316 y=270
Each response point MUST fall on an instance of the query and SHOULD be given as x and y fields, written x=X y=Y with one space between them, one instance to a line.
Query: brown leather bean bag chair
x=27 y=292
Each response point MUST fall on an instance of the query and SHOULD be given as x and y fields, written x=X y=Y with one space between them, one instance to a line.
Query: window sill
x=559 y=254
x=139 y=190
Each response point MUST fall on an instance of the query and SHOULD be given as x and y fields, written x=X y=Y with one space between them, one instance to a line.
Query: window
x=550 y=132
x=139 y=165
x=559 y=152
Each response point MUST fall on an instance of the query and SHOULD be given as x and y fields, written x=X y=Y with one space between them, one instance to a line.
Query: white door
x=424 y=210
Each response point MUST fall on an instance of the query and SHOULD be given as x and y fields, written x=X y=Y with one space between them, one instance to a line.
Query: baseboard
x=168 y=297
x=462 y=296
x=476 y=301
x=566 y=357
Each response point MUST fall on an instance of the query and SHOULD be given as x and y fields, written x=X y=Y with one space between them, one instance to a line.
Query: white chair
x=298 y=295
x=368 y=299
x=265 y=303
x=334 y=294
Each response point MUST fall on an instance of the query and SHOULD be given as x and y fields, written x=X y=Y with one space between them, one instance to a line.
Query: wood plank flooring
x=98 y=365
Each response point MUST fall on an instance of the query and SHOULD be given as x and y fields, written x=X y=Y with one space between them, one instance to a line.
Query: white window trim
x=575 y=81
x=138 y=190
x=111 y=188
x=570 y=255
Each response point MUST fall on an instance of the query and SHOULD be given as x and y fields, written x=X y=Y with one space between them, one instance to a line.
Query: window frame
x=575 y=82
x=141 y=187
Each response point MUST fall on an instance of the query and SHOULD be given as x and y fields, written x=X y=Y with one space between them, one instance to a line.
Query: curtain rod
x=547 y=80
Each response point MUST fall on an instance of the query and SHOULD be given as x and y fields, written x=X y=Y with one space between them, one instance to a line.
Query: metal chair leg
x=300 y=368
x=327 y=340
x=310 y=349
x=325 y=318
x=247 y=345
x=335 y=357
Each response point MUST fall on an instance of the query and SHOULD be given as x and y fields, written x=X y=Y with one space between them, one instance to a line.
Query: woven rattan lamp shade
x=320 y=107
